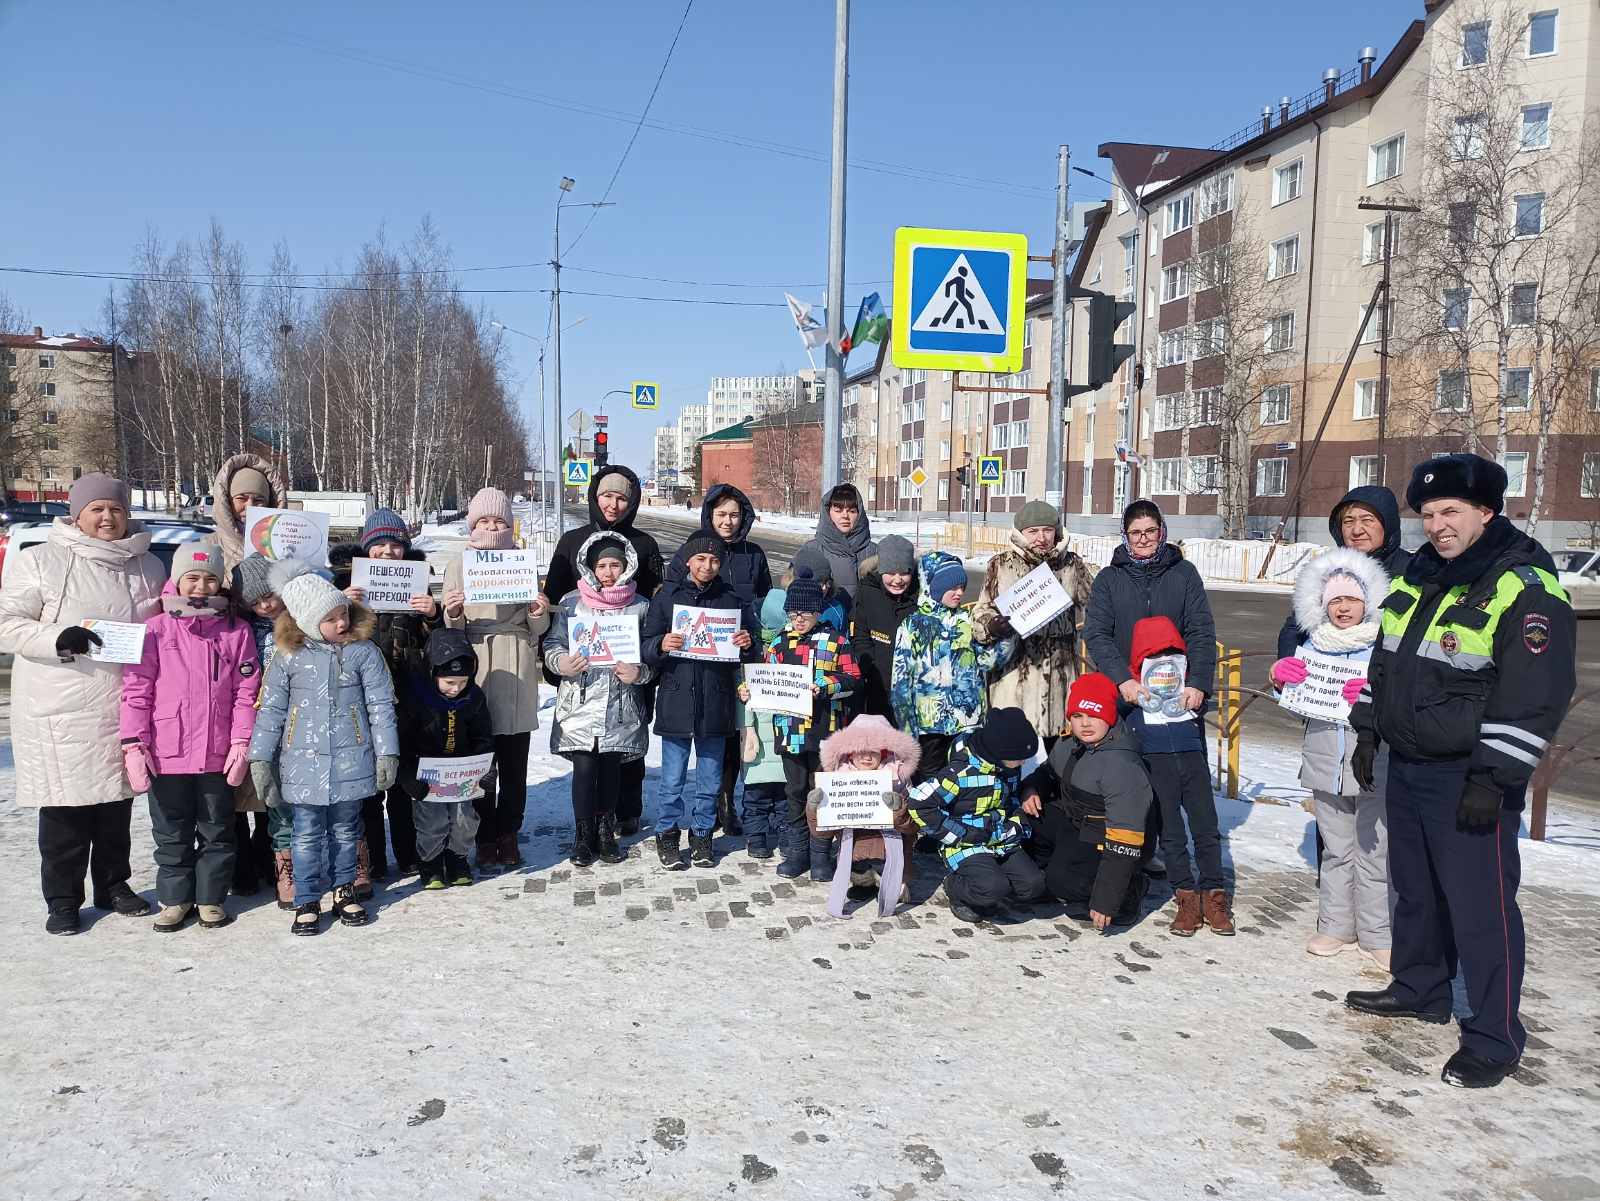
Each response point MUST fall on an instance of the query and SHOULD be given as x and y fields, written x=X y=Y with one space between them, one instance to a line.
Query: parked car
x=30 y=512
x=165 y=538
x=1579 y=573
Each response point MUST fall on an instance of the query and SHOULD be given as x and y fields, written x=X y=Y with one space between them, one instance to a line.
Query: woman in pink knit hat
x=505 y=638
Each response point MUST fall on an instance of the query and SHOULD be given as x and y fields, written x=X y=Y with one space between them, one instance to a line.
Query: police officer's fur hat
x=1471 y=478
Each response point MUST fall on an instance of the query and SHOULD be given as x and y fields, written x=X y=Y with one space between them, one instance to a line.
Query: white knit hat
x=309 y=598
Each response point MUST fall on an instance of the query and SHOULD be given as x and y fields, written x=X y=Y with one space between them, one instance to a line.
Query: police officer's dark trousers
x=1456 y=903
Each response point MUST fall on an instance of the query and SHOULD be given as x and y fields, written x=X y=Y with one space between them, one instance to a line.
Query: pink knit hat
x=488 y=502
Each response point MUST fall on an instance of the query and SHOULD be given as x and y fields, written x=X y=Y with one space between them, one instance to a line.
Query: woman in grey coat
x=600 y=721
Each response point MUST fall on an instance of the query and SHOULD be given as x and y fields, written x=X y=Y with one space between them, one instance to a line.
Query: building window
x=1516 y=389
x=1450 y=394
x=1280 y=333
x=1210 y=337
x=1212 y=268
x=51 y=417
x=1174 y=347
x=1170 y=412
x=1363 y=470
x=1466 y=137
x=1457 y=305
x=944 y=489
x=1272 y=477
x=1001 y=439
x=77 y=473
x=1019 y=433
x=1284 y=258
x=1174 y=282
x=1541 y=34
x=1530 y=215
x=944 y=450
x=1130 y=261
x=46 y=361
x=1275 y=404
x=1463 y=223
x=51 y=442
x=1523 y=308
x=1366 y=399
x=1203 y=473
x=1180 y=214
x=1286 y=181
x=1207 y=405
x=1387 y=159
x=1475 y=44
x=1516 y=465
x=872 y=490
x=1372 y=242
x=1166 y=477
x=944 y=409
x=1589 y=480
x=1594 y=390
x=1374 y=328
x=47 y=389
x=1536 y=127
x=11 y=358
x=1016 y=483
x=1216 y=195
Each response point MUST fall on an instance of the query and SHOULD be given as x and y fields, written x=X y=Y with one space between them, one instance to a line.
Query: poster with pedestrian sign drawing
x=605 y=641
x=707 y=633
x=1320 y=696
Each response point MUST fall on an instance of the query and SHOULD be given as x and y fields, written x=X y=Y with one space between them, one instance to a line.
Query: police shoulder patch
x=247 y=668
x=1536 y=633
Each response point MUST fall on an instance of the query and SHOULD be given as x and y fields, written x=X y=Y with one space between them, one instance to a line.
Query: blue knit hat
x=804 y=595
x=944 y=574
x=385 y=523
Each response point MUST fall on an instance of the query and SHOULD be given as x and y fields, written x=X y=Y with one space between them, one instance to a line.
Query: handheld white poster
x=605 y=641
x=286 y=534
x=707 y=633
x=389 y=584
x=779 y=688
x=1162 y=677
x=1320 y=695
x=1034 y=601
x=499 y=577
x=854 y=799
x=120 y=641
x=454 y=779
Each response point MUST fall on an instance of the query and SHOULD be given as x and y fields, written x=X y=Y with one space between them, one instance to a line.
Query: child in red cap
x=1088 y=803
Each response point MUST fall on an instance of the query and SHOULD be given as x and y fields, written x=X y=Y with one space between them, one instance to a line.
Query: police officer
x=1467 y=687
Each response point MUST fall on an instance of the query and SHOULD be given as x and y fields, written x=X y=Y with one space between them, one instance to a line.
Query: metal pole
x=1383 y=349
x=1054 y=467
x=555 y=369
x=833 y=381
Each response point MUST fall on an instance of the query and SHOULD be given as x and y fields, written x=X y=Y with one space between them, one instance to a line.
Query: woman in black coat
x=877 y=615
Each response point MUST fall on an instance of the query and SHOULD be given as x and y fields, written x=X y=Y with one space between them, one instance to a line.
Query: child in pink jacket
x=188 y=707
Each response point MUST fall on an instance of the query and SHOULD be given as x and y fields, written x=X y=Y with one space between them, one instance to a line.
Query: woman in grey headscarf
x=844 y=535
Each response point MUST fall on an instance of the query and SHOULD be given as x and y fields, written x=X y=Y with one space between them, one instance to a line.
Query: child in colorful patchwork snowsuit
x=325 y=739
x=187 y=712
x=443 y=714
x=765 y=812
x=940 y=685
x=972 y=809
x=869 y=858
x=834 y=676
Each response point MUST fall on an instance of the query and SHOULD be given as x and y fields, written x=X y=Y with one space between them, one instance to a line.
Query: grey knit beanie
x=252 y=579
x=896 y=556
x=1036 y=512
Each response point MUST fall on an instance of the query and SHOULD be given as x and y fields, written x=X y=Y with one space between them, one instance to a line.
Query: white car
x=166 y=535
x=1579 y=574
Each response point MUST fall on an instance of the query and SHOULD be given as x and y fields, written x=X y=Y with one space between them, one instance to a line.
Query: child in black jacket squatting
x=444 y=715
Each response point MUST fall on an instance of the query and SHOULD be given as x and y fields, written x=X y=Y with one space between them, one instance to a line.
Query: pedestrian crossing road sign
x=958 y=299
x=918 y=477
x=646 y=395
x=578 y=471
x=989 y=471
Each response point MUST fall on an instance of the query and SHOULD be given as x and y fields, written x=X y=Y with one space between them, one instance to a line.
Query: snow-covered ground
x=628 y=1032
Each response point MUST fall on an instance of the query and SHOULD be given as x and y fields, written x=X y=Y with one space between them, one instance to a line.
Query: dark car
x=31 y=512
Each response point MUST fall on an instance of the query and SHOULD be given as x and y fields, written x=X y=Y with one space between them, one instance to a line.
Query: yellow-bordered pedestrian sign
x=959 y=296
x=578 y=471
x=990 y=470
x=646 y=395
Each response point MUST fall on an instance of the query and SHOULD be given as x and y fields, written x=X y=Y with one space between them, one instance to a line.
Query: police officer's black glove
x=75 y=640
x=1480 y=803
x=1363 y=764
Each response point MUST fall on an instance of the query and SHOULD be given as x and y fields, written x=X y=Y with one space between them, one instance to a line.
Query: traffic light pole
x=1054 y=463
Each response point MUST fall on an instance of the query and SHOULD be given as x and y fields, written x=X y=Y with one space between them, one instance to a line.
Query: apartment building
x=665 y=459
x=732 y=398
x=58 y=417
x=693 y=424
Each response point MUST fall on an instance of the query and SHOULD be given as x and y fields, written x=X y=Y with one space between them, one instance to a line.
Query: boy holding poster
x=444 y=715
x=696 y=705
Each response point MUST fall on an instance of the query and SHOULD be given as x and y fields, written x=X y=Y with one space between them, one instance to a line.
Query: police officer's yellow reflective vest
x=1461 y=635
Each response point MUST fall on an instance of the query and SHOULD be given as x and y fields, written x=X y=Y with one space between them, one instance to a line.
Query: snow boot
x=488 y=856
x=1218 y=910
x=122 y=899
x=668 y=850
x=213 y=916
x=347 y=907
x=172 y=917
x=510 y=853
x=583 y=841
x=63 y=919
x=363 y=884
x=728 y=816
x=432 y=874
x=606 y=840
x=821 y=855
x=1189 y=918
x=796 y=845
x=456 y=871
x=627 y=829
x=700 y=850
x=308 y=919
x=757 y=846
x=283 y=870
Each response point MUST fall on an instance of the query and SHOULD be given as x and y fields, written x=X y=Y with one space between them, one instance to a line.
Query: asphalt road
x=1250 y=622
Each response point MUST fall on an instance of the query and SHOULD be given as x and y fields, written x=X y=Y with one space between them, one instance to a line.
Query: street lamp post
x=543 y=466
x=566 y=185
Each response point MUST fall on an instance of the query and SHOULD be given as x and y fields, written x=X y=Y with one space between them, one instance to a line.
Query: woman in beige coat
x=506 y=641
x=96 y=565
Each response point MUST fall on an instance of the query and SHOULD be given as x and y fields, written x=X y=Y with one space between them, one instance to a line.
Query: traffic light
x=602 y=448
x=1106 y=354
x=962 y=475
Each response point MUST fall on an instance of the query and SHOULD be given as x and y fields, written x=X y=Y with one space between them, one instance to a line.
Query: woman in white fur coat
x=1337 y=597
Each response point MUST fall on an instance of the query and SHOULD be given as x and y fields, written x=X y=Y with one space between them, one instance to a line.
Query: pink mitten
x=1288 y=670
x=139 y=765
x=237 y=765
x=1352 y=689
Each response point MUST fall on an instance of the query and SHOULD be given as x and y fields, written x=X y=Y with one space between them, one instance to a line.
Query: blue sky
x=163 y=114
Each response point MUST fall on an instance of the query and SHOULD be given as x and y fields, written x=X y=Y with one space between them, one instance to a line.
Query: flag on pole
x=810 y=329
x=872 y=323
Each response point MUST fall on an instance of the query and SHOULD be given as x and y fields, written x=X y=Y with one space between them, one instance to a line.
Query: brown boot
x=283 y=870
x=509 y=853
x=363 y=882
x=1188 y=919
x=1218 y=911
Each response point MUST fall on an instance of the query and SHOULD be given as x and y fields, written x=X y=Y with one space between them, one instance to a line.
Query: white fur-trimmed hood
x=1313 y=577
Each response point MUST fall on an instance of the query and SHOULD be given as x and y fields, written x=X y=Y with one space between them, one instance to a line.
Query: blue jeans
x=708 y=754
x=324 y=834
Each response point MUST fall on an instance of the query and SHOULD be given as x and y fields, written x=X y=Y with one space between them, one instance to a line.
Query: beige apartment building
x=57 y=416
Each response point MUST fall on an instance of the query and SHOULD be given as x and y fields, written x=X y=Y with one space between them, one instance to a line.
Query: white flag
x=811 y=330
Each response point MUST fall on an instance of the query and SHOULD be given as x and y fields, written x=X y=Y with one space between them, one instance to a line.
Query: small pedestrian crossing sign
x=989 y=470
x=646 y=395
x=578 y=472
x=959 y=297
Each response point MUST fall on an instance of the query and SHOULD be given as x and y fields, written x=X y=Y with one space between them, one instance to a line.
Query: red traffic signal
x=602 y=448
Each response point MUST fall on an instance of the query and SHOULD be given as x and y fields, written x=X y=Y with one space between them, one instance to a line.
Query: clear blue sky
x=121 y=116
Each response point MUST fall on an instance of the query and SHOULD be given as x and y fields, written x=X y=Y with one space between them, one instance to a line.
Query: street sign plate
x=578 y=471
x=990 y=470
x=601 y=419
x=918 y=477
x=958 y=299
x=646 y=395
